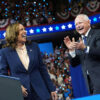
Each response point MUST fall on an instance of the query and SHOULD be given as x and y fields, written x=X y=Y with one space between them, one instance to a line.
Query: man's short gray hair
x=84 y=16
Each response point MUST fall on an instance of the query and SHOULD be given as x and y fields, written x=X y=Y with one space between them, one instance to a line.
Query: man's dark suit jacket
x=36 y=75
x=90 y=61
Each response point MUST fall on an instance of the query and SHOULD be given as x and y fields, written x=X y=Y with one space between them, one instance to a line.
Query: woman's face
x=22 y=34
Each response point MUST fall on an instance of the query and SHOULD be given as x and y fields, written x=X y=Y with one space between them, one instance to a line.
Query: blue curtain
x=78 y=82
x=92 y=97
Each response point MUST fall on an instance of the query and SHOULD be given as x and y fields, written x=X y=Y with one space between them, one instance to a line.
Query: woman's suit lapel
x=31 y=54
x=18 y=61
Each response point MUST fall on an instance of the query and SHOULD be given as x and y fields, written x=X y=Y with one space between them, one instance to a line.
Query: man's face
x=82 y=25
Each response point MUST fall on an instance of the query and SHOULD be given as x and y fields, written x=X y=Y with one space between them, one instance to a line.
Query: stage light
x=62 y=88
x=55 y=61
x=53 y=18
x=58 y=63
x=39 y=4
x=65 y=68
x=47 y=4
x=27 y=13
x=23 y=4
x=43 y=5
x=34 y=2
x=6 y=15
x=6 y=9
x=12 y=11
x=37 y=30
x=3 y=2
x=34 y=10
x=63 y=75
x=69 y=9
x=43 y=0
x=57 y=28
x=94 y=19
x=25 y=1
x=69 y=1
x=16 y=5
x=36 y=15
x=58 y=57
x=27 y=19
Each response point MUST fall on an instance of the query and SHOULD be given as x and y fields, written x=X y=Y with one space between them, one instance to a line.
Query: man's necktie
x=85 y=40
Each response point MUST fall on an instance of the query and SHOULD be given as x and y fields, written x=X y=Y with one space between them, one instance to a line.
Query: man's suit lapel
x=89 y=36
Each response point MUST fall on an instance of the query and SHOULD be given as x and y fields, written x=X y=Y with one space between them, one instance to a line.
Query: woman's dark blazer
x=36 y=75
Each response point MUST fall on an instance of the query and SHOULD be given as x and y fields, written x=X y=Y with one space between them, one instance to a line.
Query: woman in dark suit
x=24 y=61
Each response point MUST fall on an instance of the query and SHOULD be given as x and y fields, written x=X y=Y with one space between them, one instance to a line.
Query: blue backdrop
x=78 y=82
x=46 y=47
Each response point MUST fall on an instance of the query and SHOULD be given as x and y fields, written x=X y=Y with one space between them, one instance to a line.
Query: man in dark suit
x=23 y=59
x=86 y=51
